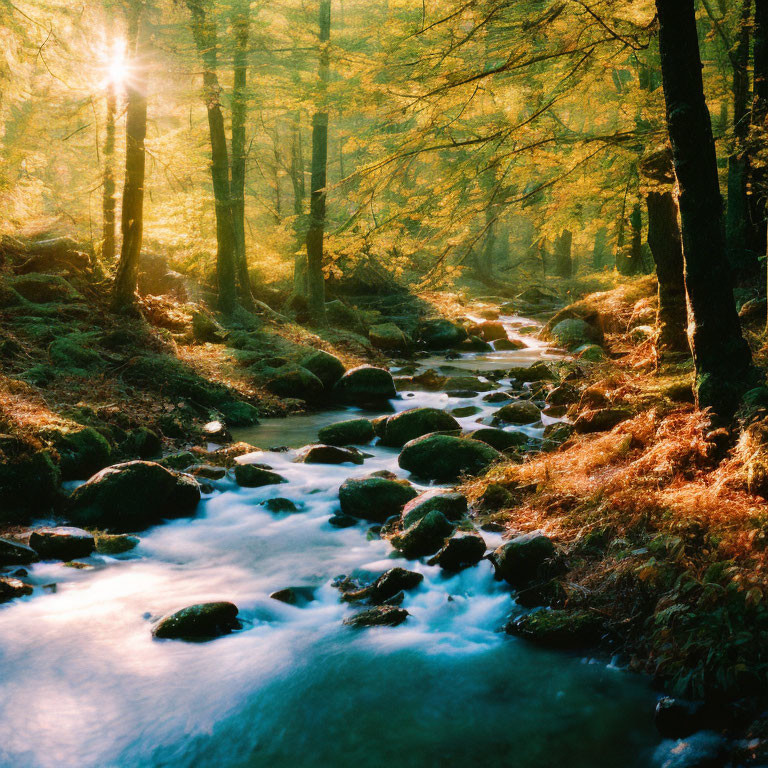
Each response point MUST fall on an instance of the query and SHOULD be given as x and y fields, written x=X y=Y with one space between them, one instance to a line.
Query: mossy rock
x=131 y=496
x=388 y=336
x=29 y=485
x=499 y=439
x=445 y=458
x=206 y=329
x=523 y=559
x=72 y=354
x=451 y=504
x=82 y=450
x=561 y=629
x=520 y=412
x=179 y=461
x=374 y=498
x=44 y=289
x=441 y=334
x=251 y=476
x=425 y=537
x=115 y=544
x=574 y=332
x=239 y=414
x=365 y=385
x=590 y=353
x=415 y=422
x=327 y=367
x=144 y=443
x=295 y=381
x=340 y=315
x=537 y=372
x=352 y=432
x=460 y=552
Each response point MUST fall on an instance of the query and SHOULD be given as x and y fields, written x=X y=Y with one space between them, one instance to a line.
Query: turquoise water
x=84 y=684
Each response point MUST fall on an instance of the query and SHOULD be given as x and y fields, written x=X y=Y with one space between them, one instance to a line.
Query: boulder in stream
x=415 y=422
x=445 y=458
x=279 y=505
x=388 y=336
x=129 y=497
x=15 y=553
x=441 y=334
x=254 y=476
x=374 y=498
x=378 y=616
x=327 y=367
x=115 y=544
x=298 y=596
x=499 y=439
x=459 y=552
x=425 y=537
x=520 y=412
x=62 y=543
x=523 y=559
x=352 y=432
x=558 y=628
x=328 y=454
x=197 y=623
x=365 y=385
x=451 y=503
x=295 y=381
x=385 y=587
x=11 y=588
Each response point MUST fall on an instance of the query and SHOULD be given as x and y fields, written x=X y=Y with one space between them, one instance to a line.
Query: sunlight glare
x=117 y=64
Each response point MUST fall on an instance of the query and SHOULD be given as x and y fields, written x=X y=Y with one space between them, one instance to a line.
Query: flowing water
x=84 y=684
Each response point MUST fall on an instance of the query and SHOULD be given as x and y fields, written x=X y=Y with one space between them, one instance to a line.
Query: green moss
x=82 y=450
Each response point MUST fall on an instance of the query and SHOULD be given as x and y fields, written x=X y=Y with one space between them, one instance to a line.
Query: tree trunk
x=600 y=248
x=299 y=193
x=108 y=199
x=634 y=265
x=132 y=221
x=316 y=229
x=758 y=174
x=666 y=247
x=742 y=258
x=241 y=29
x=563 y=254
x=721 y=357
x=204 y=32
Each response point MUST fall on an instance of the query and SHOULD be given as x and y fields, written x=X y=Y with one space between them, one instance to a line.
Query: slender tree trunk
x=721 y=357
x=563 y=254
x=666 y=246
x=132 y=222
x=241 y=29
x=204 y=32
x=742 y=258
x=316 y=230
x=601 y=245
x=276 y=174
x=758 y=174
x=108 y=200
x=299 y=193
x=634 y=265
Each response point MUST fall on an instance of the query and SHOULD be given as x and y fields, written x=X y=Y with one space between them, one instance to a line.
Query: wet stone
x=62 y=543
x=279 y=505
x=379 y=616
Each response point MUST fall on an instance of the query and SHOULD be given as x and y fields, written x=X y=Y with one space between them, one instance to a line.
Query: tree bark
x=132 y=221
x=600 y=248
x=665 y=242
x=316 y=229
x=722 y=358
x=742 y=258
x=634 y=264
x=758 y=174
x=206 y=40
x=299 y=193
x=108 y=199
x=241 y=29
x=563 y=254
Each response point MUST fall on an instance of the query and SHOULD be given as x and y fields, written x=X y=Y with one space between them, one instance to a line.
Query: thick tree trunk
x=132 y=222
x=666 y=247
x=316 y=229
x=563 y=254
x=108 y=197
x=241 y=30
x=721 y=357
x=204 y=32
x=742 y=258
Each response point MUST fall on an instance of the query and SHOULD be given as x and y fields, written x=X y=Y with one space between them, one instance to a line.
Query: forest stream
x=84 y=682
